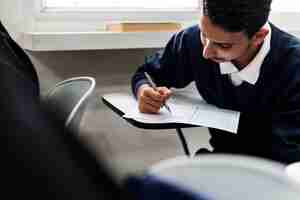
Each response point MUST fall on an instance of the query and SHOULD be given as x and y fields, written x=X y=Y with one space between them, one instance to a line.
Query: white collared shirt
x=251 y=72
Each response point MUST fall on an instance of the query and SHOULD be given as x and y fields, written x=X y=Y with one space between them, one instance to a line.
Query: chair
x=67 y=100
x=229 y=177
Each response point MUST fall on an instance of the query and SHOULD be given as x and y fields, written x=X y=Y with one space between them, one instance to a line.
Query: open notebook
x=187 y=108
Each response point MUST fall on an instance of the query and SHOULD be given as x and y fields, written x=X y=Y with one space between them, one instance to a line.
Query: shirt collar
x=251 y=72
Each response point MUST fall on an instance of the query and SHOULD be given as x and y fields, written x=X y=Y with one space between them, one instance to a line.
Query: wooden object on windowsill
x=142 y=27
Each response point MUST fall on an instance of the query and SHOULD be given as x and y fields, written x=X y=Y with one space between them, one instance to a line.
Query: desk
x=176 y=126
x=188 y=110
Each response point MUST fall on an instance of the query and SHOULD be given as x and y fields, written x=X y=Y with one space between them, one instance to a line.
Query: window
x=123 y=10
x=91 y=15
x=277 y=5
x=122 y=4
x=285 y=6
x=284 y=13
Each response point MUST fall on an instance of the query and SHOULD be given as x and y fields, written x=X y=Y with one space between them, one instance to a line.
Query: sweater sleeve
x=169 y=67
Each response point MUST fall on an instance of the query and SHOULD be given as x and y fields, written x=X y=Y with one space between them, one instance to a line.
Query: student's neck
x=242 y=62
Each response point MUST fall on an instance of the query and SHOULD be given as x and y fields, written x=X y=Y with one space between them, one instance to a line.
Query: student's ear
x=259 y=36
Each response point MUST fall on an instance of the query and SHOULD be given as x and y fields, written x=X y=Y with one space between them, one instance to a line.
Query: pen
x=153 y=85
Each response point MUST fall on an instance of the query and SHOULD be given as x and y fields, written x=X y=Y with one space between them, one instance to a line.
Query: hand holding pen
x=151 y=98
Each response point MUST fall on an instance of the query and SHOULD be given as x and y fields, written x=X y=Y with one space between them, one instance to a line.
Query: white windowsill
x=63 y=41
x=67 y=41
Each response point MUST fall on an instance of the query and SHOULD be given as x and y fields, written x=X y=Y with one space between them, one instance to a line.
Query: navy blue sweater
x=270 y=110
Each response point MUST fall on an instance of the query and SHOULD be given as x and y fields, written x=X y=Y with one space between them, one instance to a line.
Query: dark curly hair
x=238 y=15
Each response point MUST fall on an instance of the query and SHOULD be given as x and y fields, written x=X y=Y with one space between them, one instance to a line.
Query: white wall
x=11 y=15
x=17 y=16
x=52 y=67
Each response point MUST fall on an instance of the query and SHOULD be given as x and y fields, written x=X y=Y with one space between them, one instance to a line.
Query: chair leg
x=183 y=142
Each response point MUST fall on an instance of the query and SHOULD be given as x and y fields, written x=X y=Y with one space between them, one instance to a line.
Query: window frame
x=45 y=20
x=113 y=15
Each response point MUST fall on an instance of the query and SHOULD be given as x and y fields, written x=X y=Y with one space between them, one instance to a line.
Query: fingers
x=164 y=92
x=150 y=100
x=147 y=108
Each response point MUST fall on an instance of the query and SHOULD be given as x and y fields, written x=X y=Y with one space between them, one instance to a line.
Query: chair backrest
x=67 y=100
x=228 y=177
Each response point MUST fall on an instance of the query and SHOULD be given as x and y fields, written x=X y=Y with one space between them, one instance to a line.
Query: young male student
x=239 y=61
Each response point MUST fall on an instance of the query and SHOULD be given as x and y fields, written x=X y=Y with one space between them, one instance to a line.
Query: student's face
x=221 y=46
